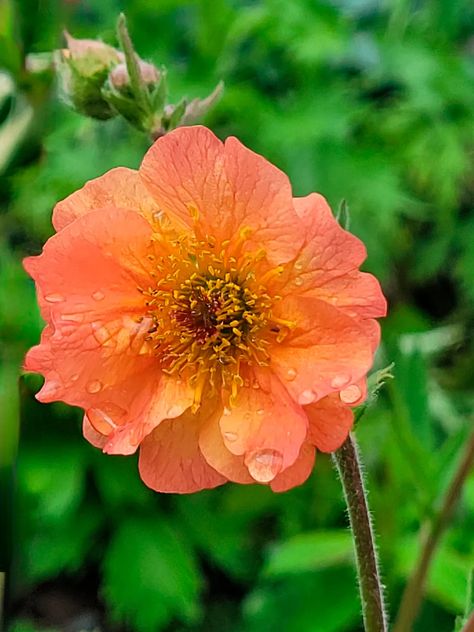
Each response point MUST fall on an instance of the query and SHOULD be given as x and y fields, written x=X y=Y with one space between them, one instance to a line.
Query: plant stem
x=431 y=535
x=348 y=465
x=469 y=626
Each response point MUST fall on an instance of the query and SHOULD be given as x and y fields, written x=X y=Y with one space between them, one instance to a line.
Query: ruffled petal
x=226 y=191
x=171 y=461
x=265 y=425
x=327 y=265
x=215 y=452
x=119 y=187
x=325 y=352
x=330 y=421
x=297 y=473
x=93 y=352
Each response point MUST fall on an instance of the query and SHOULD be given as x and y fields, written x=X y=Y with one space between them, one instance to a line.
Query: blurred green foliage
x=359 y=99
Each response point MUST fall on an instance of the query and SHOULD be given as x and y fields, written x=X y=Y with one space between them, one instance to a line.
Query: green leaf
x=325 y=601
x=309 y=552
x=150 y=575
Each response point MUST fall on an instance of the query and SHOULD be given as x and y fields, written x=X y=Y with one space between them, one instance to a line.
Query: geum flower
x=197 y=310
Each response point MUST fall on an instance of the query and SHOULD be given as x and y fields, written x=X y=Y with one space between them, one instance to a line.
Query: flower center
x=211 y=315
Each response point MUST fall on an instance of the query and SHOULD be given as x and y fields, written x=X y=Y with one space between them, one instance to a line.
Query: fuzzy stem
x=347 y=461
x=413 y=593
x=469 y=626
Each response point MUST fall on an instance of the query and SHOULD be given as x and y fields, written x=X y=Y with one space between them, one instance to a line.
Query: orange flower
x=197 y=310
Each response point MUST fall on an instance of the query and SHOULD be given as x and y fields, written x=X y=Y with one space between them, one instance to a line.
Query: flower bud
x=120 y=79
x=83 y=68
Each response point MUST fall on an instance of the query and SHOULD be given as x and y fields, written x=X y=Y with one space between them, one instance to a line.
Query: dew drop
x=307 y=397
x=174 y=411
x=230 y=436
x=260 y=411
x=94 y=387
x=264 y=465
x=340 y=381
x=255 y=385
x=75 y=318
x=299 y=265
x=227 y=411
x=290 y=375
x=299 y=281
x=101 y=421
x=350 y=394
x=54 y=298
x=74 y=377
x=98 y=296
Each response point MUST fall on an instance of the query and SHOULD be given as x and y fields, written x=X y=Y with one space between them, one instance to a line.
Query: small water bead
x=94 y=387
x=101 y=421
x=255 y=385
x=260 y=412
x=340 y=381
x=307 y=397
x=74 y=318
x=298 y=281
x=264 y=465
x=98 y=296
x=299 y=265
x=227 y=411
x=230 y=436
x=174 y=411
x=350 y=394
x=291 y=375
x=54 y=298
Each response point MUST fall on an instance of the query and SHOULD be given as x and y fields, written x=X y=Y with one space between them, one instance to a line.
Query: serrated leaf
x=150 y=575
x=309 y=552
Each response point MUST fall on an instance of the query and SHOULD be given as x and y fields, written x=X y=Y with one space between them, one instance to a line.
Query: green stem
x=431 y=535
x=136 y=80
x=348 y=465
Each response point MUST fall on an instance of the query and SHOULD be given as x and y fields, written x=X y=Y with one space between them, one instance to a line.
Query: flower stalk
x=432 y=533
x=348 y=465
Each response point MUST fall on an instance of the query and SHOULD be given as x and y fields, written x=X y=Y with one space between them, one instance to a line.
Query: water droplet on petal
x=54 y=298
x=340 y=381
x=264 y=465
x=307 y=397
x=100 y=421
x=260 y=411
x=94 y=387
x=75 y=318
x=350 y=394
x=290 y=375
x=299 y=265
x=98 y=296
x=174 y=411
x=299 y=281
x=74 y=377
x=227 y=411
x=230 y=436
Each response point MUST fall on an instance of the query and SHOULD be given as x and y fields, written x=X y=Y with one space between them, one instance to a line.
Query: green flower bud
x=83 y=68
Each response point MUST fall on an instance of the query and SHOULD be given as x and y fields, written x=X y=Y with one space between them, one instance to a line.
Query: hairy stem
x=348 y=465
x=431 y=535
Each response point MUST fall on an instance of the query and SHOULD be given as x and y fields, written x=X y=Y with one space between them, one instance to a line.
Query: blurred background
x=371 y=101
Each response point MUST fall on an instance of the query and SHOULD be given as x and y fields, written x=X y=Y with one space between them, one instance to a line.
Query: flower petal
x=326 y=351
x=330 y=422
x=297 y=473
x=327 y=265
x=226 y=191
x=265 y=425
x=94 y=353
x=119 y=187
x=171 y=461
x=218 y=456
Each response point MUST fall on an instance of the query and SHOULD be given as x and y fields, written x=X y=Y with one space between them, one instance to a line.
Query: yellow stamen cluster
x=210 y=314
